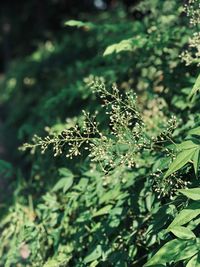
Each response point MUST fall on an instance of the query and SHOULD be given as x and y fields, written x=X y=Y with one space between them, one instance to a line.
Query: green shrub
x=116 y=184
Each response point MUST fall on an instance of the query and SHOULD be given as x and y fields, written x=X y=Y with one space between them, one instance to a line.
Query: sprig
x=113 y=148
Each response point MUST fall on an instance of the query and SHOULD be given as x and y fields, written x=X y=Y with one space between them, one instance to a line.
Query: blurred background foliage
x=46 y=63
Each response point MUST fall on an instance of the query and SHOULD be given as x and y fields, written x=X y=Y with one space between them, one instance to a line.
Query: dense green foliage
x=107 y=122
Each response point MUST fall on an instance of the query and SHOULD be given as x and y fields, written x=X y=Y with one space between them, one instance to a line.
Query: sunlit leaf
x=195 y=160
x=173 y=251
x=78 y=24
x=125 y=45
x=194 y=261
x=192 y=193
x=182 y=232
x=189 y=144
x=185 y=216
x=195 y=131
x=102 y=211
x=94 y=255
x=64 y=184
x=182 y=158
x=65 y=172
x=196 y=87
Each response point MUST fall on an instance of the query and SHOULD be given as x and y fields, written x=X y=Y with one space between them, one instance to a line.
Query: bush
x=117 y=183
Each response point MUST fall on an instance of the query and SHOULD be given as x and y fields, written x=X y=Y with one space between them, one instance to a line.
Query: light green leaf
x=65 y=172
x=195 y=160
x=192 y=193
x=125 y=45
x=64 y=184
x=94 y=255
x=195 y=131
x=196 y=87
x=185 y=216
x=182 y=158
x=102 y=211
x=173 y=251
x=186 y=145
x=94 y=263
x=194 y=261
x=51 y=263
x=81 y=186
x=182 y=232
x=78 y=23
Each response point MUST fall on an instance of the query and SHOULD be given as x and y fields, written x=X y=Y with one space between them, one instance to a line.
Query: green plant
x=122 y=189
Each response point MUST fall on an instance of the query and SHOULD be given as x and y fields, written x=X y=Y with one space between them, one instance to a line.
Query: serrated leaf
x=182 y=232
x=192 y=193
x=182 y=158
x=173 y=251
x=94 y=255
x=185 y=216
x=102 y=211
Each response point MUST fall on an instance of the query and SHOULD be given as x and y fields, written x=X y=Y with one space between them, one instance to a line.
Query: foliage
x=121 y=186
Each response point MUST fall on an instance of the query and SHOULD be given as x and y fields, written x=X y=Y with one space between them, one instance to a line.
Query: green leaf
x=81 y=186
x=173 y=251
x=195 y=160
x=125 y=45
x=194 y=261
x=192 y=193
x=65 y=172
x=187 y=250
x=182 y=232
x=51 y=263
x=186 y=145
x=94 y=263
x=185 y=216
x=94 y=255
x=6 y=168
x=195 y=131
x=64 y=183
x=196 y=87
x=182 y=158
x=102 y=211
x=78 y=24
